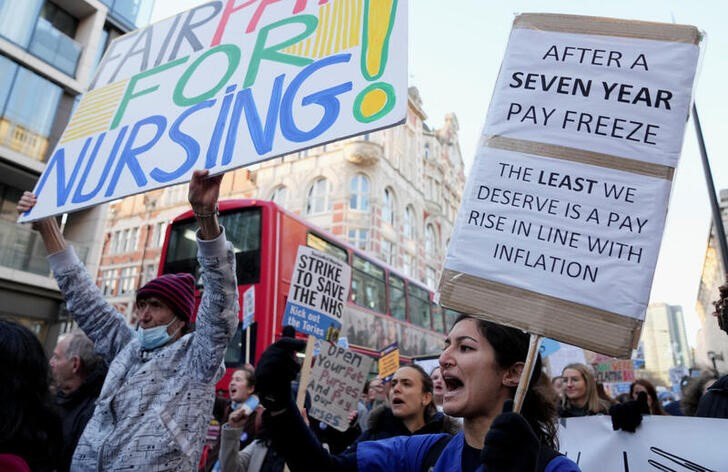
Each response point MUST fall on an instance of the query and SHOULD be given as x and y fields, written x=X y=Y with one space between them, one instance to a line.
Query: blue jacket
x=406 y=454
x=302 y=452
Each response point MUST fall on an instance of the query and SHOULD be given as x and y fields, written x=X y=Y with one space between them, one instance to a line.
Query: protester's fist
x=628 y=415
x=204 y=191
x=510 y=444
x=238 y=418
x=274 y=372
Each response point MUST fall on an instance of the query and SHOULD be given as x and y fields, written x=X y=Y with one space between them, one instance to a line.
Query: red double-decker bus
x=384 y=306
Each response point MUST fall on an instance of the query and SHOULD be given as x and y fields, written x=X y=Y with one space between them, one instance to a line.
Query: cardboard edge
x=581 y=156
x=603 y=26
x=581 y=325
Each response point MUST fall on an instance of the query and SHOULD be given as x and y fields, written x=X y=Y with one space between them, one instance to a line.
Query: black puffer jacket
x=714 y=404
x=383 y=424
x=76 y=409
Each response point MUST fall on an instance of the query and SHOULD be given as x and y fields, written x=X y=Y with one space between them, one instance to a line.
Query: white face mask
x=152 y=338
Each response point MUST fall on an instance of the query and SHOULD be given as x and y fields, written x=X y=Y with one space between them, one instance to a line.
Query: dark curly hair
x=721 y=307
x=29 y=423
x=539 y=406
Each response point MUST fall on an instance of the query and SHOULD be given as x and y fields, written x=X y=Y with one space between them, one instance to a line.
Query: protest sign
x=561 y=220
x=225 y=85
x=675 y=443
x=388 y=361
x=248 y=306
x=319 y=288
x=337 y=380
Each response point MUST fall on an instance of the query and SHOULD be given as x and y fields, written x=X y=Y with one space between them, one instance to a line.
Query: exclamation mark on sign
x=377 y=99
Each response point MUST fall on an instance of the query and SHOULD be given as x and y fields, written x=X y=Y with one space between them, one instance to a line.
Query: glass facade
x=130 y=13
x=54 y=47
x=28 y=105
x=17 y=20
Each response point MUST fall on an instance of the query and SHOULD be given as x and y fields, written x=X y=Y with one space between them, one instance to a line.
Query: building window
x=359 y=187
x=108 y=282
x=127 y=281
x=160 y=230
x=29 y=104
x=53 y=39
x=317 y=198
x=431 y=278
x=388 y=252
x=133 y=241
x=279 y=195
x=407 y=265
x=430 y=241
x=150 y=272
x=175 y=194
x=359 y=238
x=388 y=206
x=409 y=222
x=18 y=19
x=427 y=150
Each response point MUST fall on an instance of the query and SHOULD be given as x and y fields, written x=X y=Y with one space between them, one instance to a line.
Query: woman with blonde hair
x=580 y=393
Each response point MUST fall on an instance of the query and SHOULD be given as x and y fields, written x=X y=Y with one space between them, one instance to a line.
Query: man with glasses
x=153 y=409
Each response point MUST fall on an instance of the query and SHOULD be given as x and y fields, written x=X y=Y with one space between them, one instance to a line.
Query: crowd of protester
x=115 y=397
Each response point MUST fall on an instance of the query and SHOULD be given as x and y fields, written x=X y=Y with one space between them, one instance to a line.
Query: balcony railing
x=55 y=48
x=22 y=249
x=23 y=140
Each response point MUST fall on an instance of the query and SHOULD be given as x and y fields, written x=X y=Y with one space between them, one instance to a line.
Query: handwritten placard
x=225 y=85
x=337 y=380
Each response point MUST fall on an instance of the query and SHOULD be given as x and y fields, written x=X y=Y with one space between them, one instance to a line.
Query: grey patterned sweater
x=152 y=414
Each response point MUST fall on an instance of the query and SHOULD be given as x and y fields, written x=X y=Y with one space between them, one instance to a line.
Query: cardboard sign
x=337 y=380
x=668 y=443
x=561 y=220
x=318 y=293
x=248 y=307
x=225 y=85
x=388 y=361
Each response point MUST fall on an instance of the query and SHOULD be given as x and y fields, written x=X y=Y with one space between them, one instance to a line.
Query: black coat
x=76 y=408
x=714 y=404
x=383 y=424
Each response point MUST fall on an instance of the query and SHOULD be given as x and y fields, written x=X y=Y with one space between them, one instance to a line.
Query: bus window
x=320 y=244
x=242 y=229
x=396 y=297
x=367 y=285
x=437 y=323
x=418 y=305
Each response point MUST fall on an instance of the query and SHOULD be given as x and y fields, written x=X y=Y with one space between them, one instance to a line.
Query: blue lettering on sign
x=125 y=155
x=310 y=321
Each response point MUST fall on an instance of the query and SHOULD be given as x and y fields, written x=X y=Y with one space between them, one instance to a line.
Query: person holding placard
x=153 y=408
x=482 y=363
x=580 y=393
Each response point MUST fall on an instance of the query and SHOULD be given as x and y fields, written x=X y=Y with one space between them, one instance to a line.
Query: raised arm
x=48 y=227
x=217 y=316
x=105 y=326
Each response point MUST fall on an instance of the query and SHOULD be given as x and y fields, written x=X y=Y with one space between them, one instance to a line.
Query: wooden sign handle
x=533 y=347
x=305 y=372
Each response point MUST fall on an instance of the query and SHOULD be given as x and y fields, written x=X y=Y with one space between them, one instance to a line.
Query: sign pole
x=533 y=347
x=305 y=372
x=247 y=345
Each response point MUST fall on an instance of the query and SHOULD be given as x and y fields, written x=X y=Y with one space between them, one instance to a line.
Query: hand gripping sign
x=564 y=209
x=224 y=85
